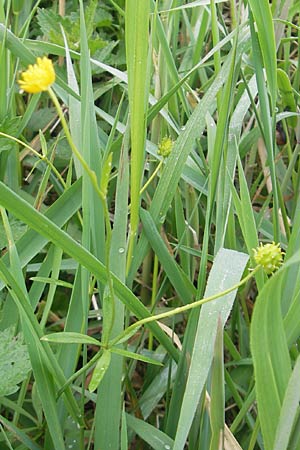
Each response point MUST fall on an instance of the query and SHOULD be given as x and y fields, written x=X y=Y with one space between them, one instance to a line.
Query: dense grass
x=109 y=245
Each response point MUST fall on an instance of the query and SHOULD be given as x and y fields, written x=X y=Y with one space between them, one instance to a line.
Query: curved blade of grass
x=227 y=270
x=59 y=212
x=22 y=210
x=136 y=356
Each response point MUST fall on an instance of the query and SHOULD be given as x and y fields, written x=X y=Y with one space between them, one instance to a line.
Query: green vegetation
x=150 y=225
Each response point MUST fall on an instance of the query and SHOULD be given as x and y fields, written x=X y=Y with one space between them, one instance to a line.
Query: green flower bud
x=165 y=147
x=269 y=257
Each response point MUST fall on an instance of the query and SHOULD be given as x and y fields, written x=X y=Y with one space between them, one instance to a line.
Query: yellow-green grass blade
x=136 y=39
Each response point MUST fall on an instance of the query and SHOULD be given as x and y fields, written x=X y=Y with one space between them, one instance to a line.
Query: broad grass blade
x=227 y=270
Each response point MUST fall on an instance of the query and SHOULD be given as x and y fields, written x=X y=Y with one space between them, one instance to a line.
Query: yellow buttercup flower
x=38 y=77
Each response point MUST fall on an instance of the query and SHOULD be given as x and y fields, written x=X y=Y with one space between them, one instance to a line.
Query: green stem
x=184 y=308
x=91 y=174
x=153 y=296
x=41 y=157
x=152 y=177
x=79 y=372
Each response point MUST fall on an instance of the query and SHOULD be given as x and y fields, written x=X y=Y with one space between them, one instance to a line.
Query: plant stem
x=184 y=308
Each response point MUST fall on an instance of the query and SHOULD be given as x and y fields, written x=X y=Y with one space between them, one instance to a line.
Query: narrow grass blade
x=177 y=277
x=217 y=404
x=136 y=28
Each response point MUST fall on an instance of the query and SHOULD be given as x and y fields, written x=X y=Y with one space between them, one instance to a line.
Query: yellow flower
x=269 y=257
x=38 y=77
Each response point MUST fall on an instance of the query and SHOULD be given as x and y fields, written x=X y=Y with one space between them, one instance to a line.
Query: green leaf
x=14 y=361
x=136 y=356
x=70 y=338
x=287 y=96
x=100 y=369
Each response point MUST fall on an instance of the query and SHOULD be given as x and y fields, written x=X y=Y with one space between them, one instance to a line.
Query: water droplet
x=121 y=250
x=167 y=447
x=182 y=128
x=74 y=441
x=70 y=446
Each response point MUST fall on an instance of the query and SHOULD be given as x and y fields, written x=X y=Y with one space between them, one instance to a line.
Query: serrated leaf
x=14 y=361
